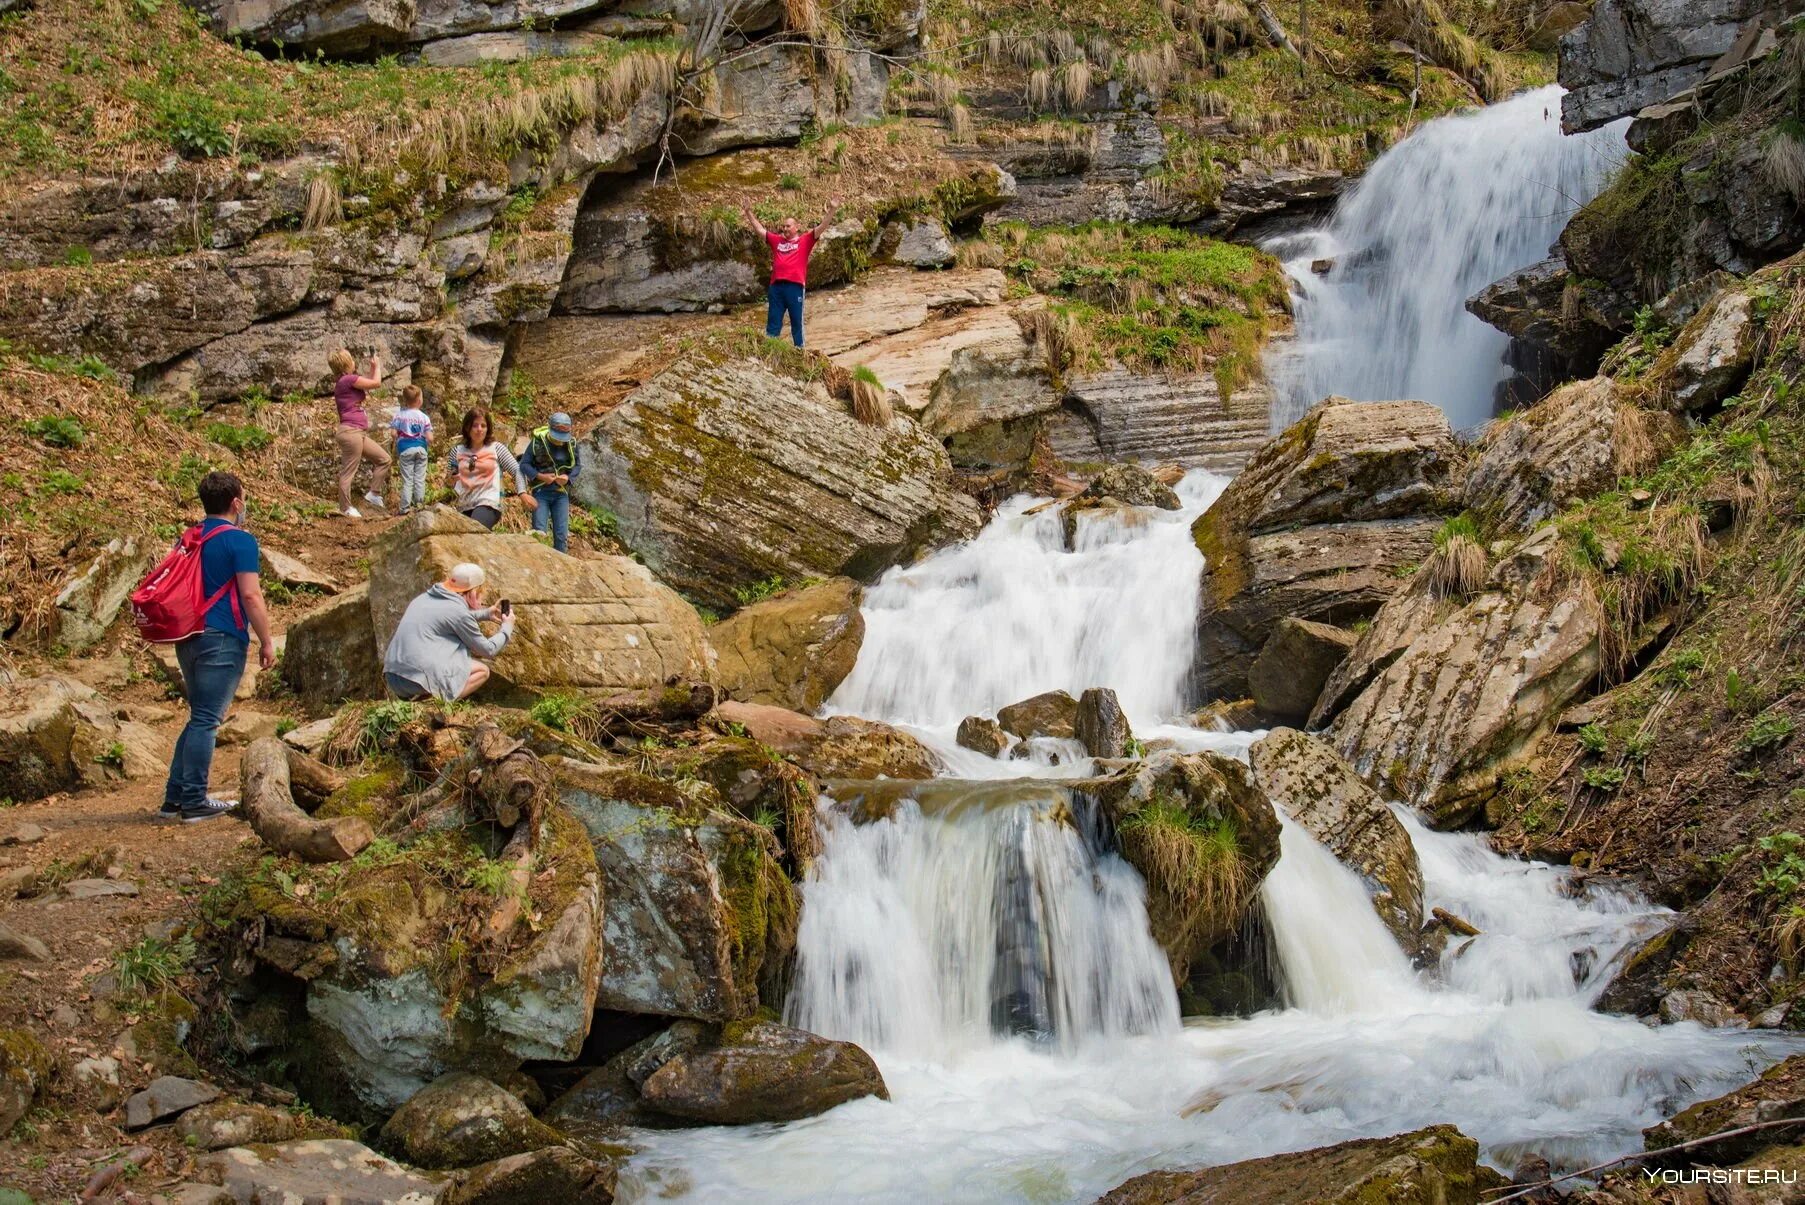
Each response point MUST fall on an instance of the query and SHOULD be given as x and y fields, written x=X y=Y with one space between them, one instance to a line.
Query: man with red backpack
x=212 y=659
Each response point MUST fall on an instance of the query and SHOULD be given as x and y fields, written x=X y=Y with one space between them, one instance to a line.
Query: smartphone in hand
x=506 y=607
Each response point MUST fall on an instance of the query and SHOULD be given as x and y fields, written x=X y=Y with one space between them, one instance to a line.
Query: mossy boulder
x=554 y=1174
x=792 y=650
x=460 y=1120
x=24 y=1069
x=57 y=734
x=840 y=746
x=331 y=654
x=1778 y=1094
x=700 y=919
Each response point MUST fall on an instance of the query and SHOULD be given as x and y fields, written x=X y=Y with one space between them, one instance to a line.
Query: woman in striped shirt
x=476 y=466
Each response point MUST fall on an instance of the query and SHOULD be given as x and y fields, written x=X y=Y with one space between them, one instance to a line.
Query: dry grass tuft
x=870 y=400
x=325 y=207
x=1193 y=867
x=1457 y=568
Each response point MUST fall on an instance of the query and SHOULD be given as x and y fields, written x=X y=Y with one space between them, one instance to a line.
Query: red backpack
x=168 y=606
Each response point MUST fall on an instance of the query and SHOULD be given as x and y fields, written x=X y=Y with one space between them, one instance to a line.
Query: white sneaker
x=374 y=500
x=351 y=512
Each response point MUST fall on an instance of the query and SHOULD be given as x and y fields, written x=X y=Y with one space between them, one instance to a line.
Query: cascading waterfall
x=1461 y=203
x=994 y=957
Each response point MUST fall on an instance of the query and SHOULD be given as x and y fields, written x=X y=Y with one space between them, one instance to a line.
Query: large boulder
x=1119 y=414
x=1293 y=664
x=1201 y=834
x=331 y=654
x=58 y=735
x=1473 y=693
x=88 y=603
x=793 y=650
x=594 y=624
x=699 y=916
x=318 y=1169
x=1548 y=340
x=1632 y=53
x=1710 y=358
x=1101 y=725
x=460 y=1120
x=724 y=473
x=1318 y=525
x=1051 y=713
x=556 y=1173
x=1436 y=1166
x=840 y=746
x=1323 y=795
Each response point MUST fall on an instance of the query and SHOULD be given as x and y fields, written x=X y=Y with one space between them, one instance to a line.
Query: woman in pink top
x=354 y=443
x=790 y=246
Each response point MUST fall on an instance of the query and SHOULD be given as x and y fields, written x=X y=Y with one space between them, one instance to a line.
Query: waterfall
x=1462 y=202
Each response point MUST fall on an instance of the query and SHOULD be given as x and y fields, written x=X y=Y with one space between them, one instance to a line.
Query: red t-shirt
x=789 y=257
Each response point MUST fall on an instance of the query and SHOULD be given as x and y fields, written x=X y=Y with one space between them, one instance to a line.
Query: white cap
x=464 y=578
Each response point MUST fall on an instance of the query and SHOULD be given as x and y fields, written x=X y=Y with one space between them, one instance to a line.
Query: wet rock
x=608 y=1098
x=1573 y=444
x=1710 y=358
x=59 y=735
x=556 y=1173
x=1318 y=790
x=1634 y=53
x=1159 y=808
x=793 y=650
x=983 y=735
x=918 y=243
x=319 y=1169
x=1434 y=1166
x=1092 y=509
x=460 y=1120
x=1052 y=713
x=1118 y=415
x=1778 y=1095
x=1132 y=484
x=1702 y=1007
x=220 y=1124
x=21 y=946
x=723 y=474
x=1550 y=340
x=837 y=747
x=25 y=1068
x=88 y=603
x=1475 y=691
x=1317 y=526
x=762 y=1072
x=1100 y=724
x=166 y=1096
x=596 y=623
x=1229 y=715
x=1293 y=665
x=697 y=912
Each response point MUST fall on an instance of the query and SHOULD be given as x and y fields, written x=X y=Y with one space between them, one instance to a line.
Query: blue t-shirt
x=225 y=555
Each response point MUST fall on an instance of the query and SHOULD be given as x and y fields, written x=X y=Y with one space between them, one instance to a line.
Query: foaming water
x=1461 y=203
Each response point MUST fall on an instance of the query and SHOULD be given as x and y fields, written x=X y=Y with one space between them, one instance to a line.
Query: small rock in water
x=166 y=1096
x=1698 y=1006
x=1100 y=725
x=763 y=1072
x=1051 y=713
x=555 y=1174
x=982 y=735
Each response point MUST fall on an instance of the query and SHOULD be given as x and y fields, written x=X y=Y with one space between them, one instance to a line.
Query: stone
x=311 y=738
x=99 y=1077
x=1132 y=484
x=993 y=374
x=25 y=834
x=97 y=889
x=331 y=655
x=1101 y=725
x=1777 y=1095
x=983 y=735
x=317 y=1169
x=921 y=243
x=220 y=1124
x=792 y=650
x=25 y=1068
x=509 y=46
x=725 y=474
x=1051 y=713
x=296 y=573
x=598 y=624
x=243 y=727
x=1434 y=1166
x=21 y=946
x=1549 y=341
x=1118 y=414
x=556 y=1173
x=1701 y=1007
x=57 y=734
x=1212 y=793
x=1474 y=691
x=699 y=919
x=1317 y=526
x=1293 y=665
x=194 y=1194
x=1633 y=53
x=1228 y=715
x=891 y=301
x=460 y=1120
x=166 y=1096
x=1304 y=777
x=837 y=747
x=88 y=603
x=1573 y=444
x=762 y=1072
x=596 y=1106
x=1711 y=356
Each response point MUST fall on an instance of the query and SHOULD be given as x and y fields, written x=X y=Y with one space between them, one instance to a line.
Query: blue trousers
x=212 y=663
x=784 y=297
x=552 y=513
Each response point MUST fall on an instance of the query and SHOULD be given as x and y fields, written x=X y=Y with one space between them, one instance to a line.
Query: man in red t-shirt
x=790 y=247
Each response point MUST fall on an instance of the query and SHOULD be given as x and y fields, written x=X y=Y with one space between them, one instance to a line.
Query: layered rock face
x=724 y=473
x=1317 y=526
x=58 y=735
x=1632 y=53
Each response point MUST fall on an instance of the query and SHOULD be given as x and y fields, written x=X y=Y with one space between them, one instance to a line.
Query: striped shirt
x=478 y=475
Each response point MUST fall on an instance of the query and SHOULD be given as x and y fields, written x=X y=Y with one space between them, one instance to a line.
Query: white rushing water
x=1462 y=202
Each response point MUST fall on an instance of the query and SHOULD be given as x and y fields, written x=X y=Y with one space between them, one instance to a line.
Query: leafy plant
x=246 y=438
x=78 y=257
x=62 y=481
x=522 y=396
x=1136 y=747
x=1784 y=869
x=759 y=591
x=1770 y=730
x=1604 y=778
x=594 y=521
x=383 y=722
x=1594 y=739
x=1681 y=669
x=563 y=710
x=113 y=756
x=153 y=963
x=790 y=182
x=57 y=430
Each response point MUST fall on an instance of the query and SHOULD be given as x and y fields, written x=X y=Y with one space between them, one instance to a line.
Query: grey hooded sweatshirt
x=436 y=639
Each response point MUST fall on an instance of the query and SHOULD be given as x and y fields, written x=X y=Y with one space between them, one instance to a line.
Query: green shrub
x=1770 y=730
x=1604 y=778
x=1594 y=739
x=759 y=591
x=246 y=438
x=153 y=963
x=57 y=430
x=1784 y=869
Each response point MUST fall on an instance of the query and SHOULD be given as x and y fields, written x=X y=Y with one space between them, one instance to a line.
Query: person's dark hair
x=470 y=417
x=218 y=489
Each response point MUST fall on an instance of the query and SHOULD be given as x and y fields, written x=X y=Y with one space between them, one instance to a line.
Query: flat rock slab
x=292 y=571
x=25 y=834
x=95 y=889
x=166 y=1096
x=327 y=1169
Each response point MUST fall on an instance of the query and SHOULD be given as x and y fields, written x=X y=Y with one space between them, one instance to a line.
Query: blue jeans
x=212 y=663
x=553 y=514
x=784 y=297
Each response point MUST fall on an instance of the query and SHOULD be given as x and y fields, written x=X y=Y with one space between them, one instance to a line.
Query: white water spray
x=1461 y=203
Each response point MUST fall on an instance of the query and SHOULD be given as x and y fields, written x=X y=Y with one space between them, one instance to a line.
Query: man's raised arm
x=752 y=220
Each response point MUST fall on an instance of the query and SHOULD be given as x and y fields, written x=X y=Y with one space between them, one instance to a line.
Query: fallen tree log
x=269 y=805
x=505 y=782
x=313 y=781
x=664 y=704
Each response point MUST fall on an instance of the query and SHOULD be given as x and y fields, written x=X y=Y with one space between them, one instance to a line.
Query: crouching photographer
x=438 y=650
